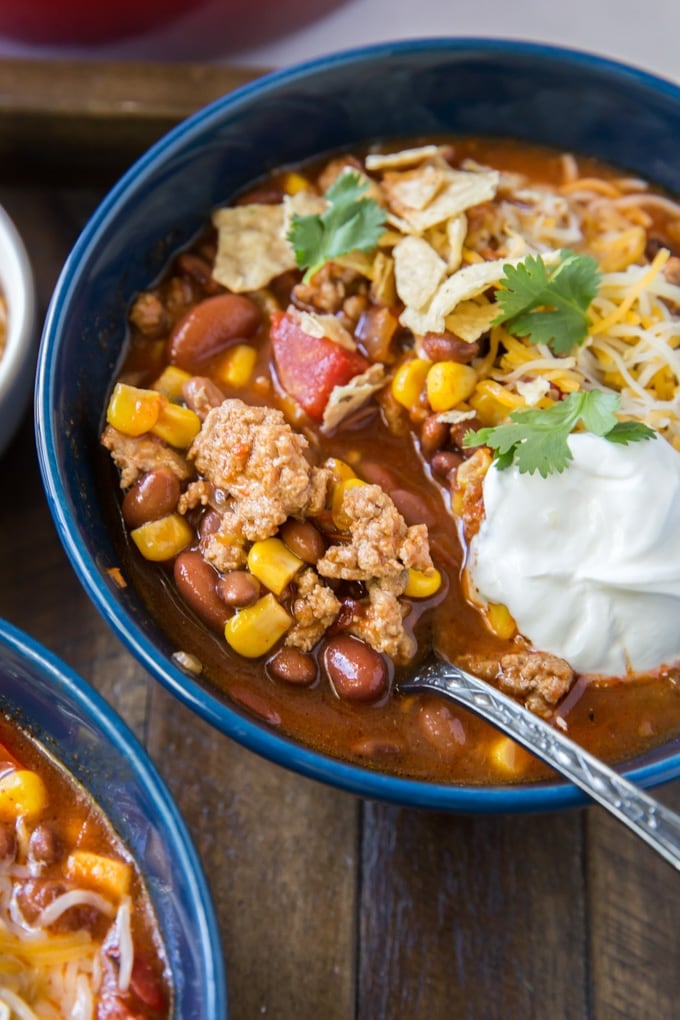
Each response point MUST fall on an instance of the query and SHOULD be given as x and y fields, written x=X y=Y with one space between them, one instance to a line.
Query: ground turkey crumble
x=256 y=475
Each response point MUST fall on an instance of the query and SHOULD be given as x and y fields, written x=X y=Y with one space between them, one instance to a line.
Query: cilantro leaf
x=549 y=305
x=536 y=439
x=349 y=223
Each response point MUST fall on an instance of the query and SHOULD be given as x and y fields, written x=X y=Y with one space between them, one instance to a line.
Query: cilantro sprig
x=350 y=222
x=549 y=304
x=536 y=439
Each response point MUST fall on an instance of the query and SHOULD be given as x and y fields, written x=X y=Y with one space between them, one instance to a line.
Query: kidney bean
x=440 y=727
x=293 y=666
x=444 y=462
x=256 y=704
x=153 y=496
x=210 y=327
x=376 y=747
x=202 y=394
x=209 y=524
x=447 y=347
x=303 y=539
x=356 y=671
x=239 y=588
x=412 y=507
x=433 y=435
x=197 y=582
x=376 y=474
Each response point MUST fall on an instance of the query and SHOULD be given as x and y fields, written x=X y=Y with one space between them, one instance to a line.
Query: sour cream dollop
x=588 y=561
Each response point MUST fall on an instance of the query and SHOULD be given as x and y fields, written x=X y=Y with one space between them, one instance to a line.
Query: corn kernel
x=500 y=620
x=109 y=876
x=421 y=585
x=171 y=381
x=409 y=381
x=162 y=539
x=22 y=795
x=236 y=366
x=340 y=518
x=252 y=631
x=273 y=563
x=133 y=411
x=509 y=757
x=177 y=425
x=294 y=182
x=340 y=470
x=448 y=384
x=493 y=403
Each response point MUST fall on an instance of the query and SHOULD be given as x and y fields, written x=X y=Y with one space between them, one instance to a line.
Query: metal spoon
x=654 y=823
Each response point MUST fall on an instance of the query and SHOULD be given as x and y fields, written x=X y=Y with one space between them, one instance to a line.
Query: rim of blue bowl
x=277 y=747
x=94 y=707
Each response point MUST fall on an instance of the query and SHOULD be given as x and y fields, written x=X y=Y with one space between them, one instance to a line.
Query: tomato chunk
x=310 y=367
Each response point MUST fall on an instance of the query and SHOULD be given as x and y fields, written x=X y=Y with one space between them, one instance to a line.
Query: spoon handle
x=651 y=820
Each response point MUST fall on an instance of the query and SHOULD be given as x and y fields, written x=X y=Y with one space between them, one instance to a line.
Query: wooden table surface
x=330 y=907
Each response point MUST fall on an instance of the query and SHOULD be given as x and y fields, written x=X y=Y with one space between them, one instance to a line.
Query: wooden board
x=328 y=906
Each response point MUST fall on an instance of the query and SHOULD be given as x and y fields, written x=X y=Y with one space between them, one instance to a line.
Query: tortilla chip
x=251 y=246
x=318 y=325
x=344 y=400
x=383 y=290
x=460 y=191
x=460 y=286
x=471 y=319
x=413 y=190
x=418 y=271
x=454 y=416
x=399 y=160
x=456 y=232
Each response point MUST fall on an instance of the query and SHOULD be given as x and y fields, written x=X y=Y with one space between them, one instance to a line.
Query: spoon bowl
x=648 y=818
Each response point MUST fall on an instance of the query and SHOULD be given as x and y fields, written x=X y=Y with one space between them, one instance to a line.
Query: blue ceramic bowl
x=84 y=733
x=569 y=100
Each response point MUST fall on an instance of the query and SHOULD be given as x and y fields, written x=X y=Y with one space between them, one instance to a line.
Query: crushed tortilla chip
x=383 y=290
x=399 y=160
x=344 y=400
x=466 y=283
x=471 y=319
x=449 y=192
x=418 y=271
x=251 y=246
x=318 y=325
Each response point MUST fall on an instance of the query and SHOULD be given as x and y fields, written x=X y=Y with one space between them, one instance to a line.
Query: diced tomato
x=310 y=367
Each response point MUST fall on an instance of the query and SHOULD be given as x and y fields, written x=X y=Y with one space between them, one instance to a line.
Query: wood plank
x=472 y=917
x=634 y=905
x=93 y=119
x=281 y=855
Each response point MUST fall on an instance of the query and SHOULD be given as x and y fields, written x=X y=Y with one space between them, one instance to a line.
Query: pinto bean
x=239 y=588
x=444 y=462
x=457 y=431
x=356 y=671
x=8 y=842
x=256 y=704
x=202 y=394
x=376 y=747
x=293 y=666
x=433 y=435
x=44 y=844
x=199 y=270
x=303 y=539
x=210 y=327
x=447 y=347
x=197 y=582
x=209 y=524
x=153 y=496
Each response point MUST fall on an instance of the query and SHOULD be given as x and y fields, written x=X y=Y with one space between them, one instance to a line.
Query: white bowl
x=17 y=361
